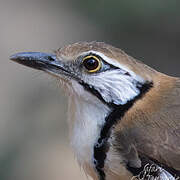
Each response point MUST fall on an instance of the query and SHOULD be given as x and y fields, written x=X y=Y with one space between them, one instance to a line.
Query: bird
x=123 y=116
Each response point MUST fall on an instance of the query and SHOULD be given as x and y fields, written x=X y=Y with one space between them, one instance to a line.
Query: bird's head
x=102 y=83
x=92 y=71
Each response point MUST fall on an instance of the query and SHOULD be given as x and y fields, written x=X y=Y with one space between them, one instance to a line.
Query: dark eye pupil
x=90 y=63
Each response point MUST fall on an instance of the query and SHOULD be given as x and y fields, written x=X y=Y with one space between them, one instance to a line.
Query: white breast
x=85 y=120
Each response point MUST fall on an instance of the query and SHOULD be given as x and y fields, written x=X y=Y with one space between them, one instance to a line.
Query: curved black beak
x=41 y=61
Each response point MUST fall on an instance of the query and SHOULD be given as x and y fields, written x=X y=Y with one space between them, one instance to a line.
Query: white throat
x=85 y=120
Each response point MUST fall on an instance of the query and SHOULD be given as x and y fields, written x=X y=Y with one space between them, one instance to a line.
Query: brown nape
x=153 y=100
x=144 y=124
x=142 y=112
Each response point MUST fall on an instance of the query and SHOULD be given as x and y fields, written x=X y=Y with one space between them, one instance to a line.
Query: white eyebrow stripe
x=107 y=59
x=115 y=63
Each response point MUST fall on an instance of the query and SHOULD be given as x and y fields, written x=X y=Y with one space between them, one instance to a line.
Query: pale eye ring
x=92 y=63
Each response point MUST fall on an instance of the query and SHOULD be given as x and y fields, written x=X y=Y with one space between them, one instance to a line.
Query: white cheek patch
x=116 y=87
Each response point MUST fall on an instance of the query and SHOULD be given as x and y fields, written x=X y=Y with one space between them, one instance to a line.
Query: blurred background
x=33 y=130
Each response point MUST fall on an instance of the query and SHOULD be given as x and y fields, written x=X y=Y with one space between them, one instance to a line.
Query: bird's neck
x=85 y=121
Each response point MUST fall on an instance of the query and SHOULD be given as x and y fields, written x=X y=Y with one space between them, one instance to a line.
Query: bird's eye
x=92 y=63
